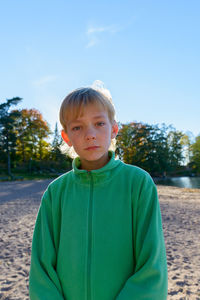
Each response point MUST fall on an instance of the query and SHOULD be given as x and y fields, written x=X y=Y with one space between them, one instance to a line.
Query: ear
x=115 y=130
x=66 y=138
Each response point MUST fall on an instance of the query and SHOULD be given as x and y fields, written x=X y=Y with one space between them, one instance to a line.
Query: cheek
x=106 y=136
x=76 y=141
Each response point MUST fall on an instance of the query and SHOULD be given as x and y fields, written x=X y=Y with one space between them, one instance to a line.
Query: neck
x=94 y=165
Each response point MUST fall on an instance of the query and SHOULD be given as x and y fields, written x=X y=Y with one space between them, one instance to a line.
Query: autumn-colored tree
x=32 y=132
x=125 y=143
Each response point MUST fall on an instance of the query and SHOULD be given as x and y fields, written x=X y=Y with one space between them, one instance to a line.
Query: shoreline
x=180 y=208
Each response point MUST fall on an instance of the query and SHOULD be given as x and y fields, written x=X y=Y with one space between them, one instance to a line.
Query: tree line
x=159 y=149
x=24 y=141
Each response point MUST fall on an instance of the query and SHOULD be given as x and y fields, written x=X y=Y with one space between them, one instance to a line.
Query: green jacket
x=98 y=236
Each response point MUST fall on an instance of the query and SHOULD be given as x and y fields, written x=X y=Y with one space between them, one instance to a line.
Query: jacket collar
x=98 y=176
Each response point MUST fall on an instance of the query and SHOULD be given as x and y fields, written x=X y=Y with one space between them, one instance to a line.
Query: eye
x=76 y=128
x=100 y=124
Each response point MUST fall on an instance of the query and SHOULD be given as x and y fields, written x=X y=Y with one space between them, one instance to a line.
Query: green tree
x=7 y=130
x=135 y=144
x=195 y=159
x=186 y=142
x=56 y=154
x=175 y=145
x=157 y=149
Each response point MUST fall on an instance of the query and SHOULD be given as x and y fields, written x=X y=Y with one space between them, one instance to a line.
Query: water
x=183 y=182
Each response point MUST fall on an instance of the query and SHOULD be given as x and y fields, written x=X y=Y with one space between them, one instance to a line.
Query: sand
x=181 y=222
x=19 y=203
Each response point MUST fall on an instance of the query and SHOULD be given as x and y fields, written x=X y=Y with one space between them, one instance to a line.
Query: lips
x=92 y=148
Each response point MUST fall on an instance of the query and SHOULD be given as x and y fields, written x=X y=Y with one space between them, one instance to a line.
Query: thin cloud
x=44 y=80
x=110 y=29
x=93 y=34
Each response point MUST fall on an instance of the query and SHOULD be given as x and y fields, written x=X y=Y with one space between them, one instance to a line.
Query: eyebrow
x=99 y=117
x=77 y=120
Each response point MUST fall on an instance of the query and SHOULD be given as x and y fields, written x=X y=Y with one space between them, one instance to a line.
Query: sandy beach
x=19 y=203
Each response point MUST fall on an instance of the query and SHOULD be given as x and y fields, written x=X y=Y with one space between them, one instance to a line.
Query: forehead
x=87 y=111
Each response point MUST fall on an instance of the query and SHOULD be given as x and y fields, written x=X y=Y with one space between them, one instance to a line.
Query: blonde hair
x=77 y=100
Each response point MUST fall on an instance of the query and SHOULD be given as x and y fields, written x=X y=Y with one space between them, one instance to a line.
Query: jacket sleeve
x=43 y=280
x=150 y=280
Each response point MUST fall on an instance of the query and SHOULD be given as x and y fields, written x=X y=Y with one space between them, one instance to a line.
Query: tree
x=157 y=149
x=143 y=145
x=57 y=141
x=174 y=140
x=195 y=159
x=7 y=130
x=186 y=142
x=32 y=131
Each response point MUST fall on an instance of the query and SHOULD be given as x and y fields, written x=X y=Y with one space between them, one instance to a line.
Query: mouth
x=92 y=148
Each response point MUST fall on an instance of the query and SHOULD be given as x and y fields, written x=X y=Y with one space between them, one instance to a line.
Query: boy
x=98 y=234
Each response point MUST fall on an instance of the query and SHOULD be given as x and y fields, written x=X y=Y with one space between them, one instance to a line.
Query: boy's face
x=90 y=134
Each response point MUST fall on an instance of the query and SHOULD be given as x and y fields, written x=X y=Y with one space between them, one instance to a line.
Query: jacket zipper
x=89 y=238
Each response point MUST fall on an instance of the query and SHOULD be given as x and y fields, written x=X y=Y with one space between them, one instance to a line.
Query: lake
x=183 y=182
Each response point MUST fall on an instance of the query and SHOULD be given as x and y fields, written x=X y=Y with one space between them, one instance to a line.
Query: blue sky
x=147 y=53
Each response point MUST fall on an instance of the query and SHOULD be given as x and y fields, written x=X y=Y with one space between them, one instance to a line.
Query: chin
x=94 y=156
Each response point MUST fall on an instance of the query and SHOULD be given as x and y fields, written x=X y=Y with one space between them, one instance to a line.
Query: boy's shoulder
x=60 y=181
x=137 y=174
x=135 y=170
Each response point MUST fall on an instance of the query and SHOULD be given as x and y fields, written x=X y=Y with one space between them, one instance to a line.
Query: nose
x=90 y=134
